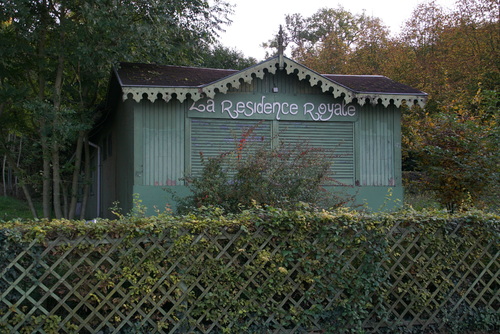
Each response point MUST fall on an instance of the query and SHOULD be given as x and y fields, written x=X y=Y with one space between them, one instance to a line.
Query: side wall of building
x=114 y=162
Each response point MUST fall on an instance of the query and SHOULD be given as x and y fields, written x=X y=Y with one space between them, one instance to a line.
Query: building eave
x=271 y=65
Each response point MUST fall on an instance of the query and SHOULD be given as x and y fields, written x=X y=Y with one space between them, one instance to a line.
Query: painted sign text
x=277 y=110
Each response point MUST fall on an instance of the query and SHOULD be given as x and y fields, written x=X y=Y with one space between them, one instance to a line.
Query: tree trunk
x=12 y=162
x=87 y=180
x=76 y=175
x=4 y=181
x=46 y=175
x=44 y=139
x=16 y=181
x=56 y=168
x=64 y=191
x=56 y=181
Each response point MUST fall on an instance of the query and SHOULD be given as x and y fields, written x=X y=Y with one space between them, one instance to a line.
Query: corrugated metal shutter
x=337 y=138
x=163 y=150
x=211 y=137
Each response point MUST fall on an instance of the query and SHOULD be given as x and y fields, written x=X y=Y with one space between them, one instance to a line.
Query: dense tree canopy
x=56 y=57
x=327 y=40
x=219 y=56
x=436 y=49
x=55 y=60
x=454 y=56
x=454 y=142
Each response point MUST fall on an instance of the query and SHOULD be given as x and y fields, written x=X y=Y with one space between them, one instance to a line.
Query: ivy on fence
x=260 y=271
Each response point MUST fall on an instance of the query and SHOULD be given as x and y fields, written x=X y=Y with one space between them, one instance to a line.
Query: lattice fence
x=427 y=285
x=68 y=286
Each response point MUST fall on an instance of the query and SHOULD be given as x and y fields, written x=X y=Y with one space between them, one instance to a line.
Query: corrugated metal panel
x=212 y=137
x=337 y=138
x=163 y=144
x=377 y=147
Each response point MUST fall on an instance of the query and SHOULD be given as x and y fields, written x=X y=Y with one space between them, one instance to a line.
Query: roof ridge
x=357 y=75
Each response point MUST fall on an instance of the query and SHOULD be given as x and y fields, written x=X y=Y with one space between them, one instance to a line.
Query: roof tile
x=153 y=75
x=136 y=74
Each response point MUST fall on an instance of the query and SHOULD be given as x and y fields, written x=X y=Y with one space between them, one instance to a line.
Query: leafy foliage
x=454 y=141
x=304 y=267
x=327 y=40
x=220 y=56
x=307 y=233
x=281 y=176
x=458 y=152
x=55 y=64
x=450 y=54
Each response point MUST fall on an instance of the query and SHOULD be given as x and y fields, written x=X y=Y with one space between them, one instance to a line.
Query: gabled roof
x=136 y=75
x=181 y=82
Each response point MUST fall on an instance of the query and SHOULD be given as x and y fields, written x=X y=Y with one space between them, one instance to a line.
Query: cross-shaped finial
x=280 y=41
x=281 y=48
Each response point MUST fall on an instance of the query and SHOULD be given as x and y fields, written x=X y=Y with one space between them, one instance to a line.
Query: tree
x=324 y=39
x=334 y=40
x=472 y=45
x=449 y=54
x=458 y=151
x=452 y=55
x=372 y=48
x=58 y=55
x=419 y=38
x=220 y=56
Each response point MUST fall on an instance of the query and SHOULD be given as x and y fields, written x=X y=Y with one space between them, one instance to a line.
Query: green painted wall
x=370 y=198
x=119 y=164
x=379 y=146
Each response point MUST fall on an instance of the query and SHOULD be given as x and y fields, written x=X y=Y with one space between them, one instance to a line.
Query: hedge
x=259 y=271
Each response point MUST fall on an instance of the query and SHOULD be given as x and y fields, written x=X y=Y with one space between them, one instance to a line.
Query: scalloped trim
x=258 y=71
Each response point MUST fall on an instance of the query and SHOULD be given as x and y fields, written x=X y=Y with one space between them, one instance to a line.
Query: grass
x=12 y=208
x=421 y=201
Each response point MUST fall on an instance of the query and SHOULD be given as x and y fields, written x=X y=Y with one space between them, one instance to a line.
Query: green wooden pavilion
x=159 y=118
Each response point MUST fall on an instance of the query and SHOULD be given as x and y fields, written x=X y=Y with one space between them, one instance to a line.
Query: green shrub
x=239 y=268
x=281 y=177
x=261 y=270
x=468 y=320
x=456 y=151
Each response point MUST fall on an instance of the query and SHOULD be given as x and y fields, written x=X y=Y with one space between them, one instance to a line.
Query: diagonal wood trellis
x=87 y=286
x=427 y=284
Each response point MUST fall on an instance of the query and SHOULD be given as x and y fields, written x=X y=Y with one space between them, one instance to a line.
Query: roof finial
x=281 y=48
